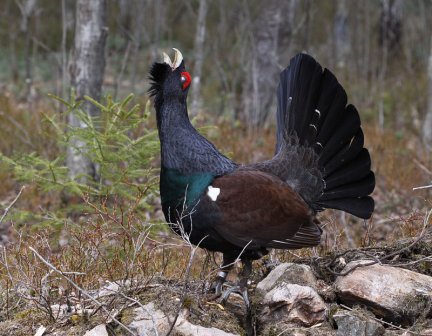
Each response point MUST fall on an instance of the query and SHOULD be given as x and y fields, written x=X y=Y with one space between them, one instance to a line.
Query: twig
x=12 y=204
x=423 y=187
x=422 y=166
x=186 y=281
x=81 y=290
x=424 y=259
x=422 y=233
x=23 y=134
x=387 y=256
x=372 y=262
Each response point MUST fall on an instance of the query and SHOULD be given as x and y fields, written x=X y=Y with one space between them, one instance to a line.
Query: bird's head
x=170 y=78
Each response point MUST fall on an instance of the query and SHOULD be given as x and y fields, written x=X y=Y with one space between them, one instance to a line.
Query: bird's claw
x=222 y=295
x=239 y=290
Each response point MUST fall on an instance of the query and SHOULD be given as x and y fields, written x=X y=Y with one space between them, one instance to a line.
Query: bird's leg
x=242 y=285
x=220 y=280
x=227 y=265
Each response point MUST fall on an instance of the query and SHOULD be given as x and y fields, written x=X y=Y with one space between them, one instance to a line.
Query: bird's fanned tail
x=312 y=109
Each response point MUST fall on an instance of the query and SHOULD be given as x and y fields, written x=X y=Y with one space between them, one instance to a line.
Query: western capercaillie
x=244 y=210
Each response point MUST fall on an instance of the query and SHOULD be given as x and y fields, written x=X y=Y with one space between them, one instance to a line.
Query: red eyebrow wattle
x=187 y=82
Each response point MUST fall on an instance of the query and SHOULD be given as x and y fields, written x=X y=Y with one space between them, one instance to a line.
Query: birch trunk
x=265 y=63
x=27 y=9
x=87 y=75
x=199 y=57
x=341 y=35
x=427 y=125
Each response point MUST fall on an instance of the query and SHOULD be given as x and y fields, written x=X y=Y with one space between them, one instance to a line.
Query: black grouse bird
x=243 y=210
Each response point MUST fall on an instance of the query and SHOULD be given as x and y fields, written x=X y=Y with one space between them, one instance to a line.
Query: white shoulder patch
x=213 y=193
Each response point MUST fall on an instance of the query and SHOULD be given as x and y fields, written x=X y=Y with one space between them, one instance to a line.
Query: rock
x=99 y=330
x=151 y=321
x=288 y=273
x=292 y=303
x=289 y=295
x=184 y=327
x=353 y=324
x=40 y=331
x=395 y=294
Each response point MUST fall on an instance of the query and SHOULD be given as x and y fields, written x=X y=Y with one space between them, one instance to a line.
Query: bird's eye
x=185 y=79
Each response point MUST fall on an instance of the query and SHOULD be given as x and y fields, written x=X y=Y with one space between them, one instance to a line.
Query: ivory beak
x=167 y=59
x=178 y=59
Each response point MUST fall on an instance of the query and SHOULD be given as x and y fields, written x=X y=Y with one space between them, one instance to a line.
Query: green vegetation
x=118 y=141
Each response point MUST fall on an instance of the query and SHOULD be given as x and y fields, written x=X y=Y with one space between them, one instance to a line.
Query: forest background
x=103 y=218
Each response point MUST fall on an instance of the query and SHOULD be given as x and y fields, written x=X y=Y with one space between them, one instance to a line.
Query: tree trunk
x=87 y=75
x=427 y=125
x=341 y=34
x=158 y=17
x=27 y=9
x=138 y=32
x=199 y=57
x=264 y=63
x=390 y=31
x=63 y=49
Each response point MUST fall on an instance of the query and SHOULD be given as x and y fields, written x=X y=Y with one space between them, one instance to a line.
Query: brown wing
x=259 y=209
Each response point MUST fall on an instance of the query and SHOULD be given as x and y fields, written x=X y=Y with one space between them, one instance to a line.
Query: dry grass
x=109 y=243
x=39 y=273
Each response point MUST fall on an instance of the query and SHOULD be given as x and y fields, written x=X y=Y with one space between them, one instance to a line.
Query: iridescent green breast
x=178 y=189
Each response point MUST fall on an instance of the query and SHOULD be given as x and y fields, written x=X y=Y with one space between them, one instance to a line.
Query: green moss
x=24 y=314
x=188 y=302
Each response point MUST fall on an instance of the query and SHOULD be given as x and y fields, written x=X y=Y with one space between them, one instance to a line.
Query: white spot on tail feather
x=213 y=193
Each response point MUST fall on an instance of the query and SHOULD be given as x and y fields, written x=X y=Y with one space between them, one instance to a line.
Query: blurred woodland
x=380 y=51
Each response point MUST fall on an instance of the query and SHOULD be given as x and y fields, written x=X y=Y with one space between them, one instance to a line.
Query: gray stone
x=352 y=324
x=288 y=273
x=395 y=294
x=292 y=303
x=184 y=327
x=99 y=330
x=150 y=321
x=40 y=331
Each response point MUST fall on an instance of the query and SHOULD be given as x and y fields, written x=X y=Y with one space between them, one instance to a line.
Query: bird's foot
x=238 y=289
x=221 y=294
x=218 y=285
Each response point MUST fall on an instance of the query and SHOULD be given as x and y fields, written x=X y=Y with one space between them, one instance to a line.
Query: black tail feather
x=348 y=153
x=354 y=170
x=361 y=207
x=348 y=124
x=331 y=104
x=355 y=189
x=312 y=107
